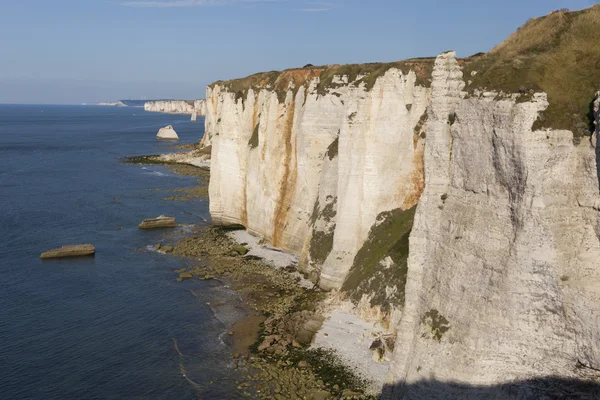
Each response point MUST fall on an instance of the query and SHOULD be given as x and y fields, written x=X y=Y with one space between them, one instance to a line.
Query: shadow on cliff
x=534 y=389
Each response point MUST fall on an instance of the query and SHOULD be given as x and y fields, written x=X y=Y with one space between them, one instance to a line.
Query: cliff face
x=505 y=248
x=196 y=107
x=310 y=170
x=462 y=196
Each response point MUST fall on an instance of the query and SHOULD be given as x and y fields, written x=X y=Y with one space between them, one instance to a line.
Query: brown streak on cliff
x=417 y=177
x=287 y=189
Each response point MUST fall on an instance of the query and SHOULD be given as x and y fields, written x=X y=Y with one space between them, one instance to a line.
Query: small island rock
x=159 y=222
x=167 y=133
x=76 y=250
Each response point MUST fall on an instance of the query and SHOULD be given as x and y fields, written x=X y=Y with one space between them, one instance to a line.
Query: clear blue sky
x=73 y=51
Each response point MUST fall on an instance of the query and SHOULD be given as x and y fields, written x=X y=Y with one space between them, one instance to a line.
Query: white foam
x=151 y=248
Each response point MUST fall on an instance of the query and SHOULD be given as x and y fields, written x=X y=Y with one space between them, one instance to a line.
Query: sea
x=117 y=325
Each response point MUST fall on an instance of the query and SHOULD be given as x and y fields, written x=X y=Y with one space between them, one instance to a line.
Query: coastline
x=272 y=344
x=283 y=311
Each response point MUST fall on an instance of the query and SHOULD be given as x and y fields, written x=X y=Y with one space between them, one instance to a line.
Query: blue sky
x=73 y=51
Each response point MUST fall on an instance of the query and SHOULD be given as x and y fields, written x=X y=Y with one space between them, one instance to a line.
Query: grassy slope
x=388 y=238
x=558 y=54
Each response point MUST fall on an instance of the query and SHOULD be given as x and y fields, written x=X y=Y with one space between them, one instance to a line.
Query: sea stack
x=167 y=133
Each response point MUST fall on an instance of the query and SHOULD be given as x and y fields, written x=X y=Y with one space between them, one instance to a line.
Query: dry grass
x=280 y=81
x=558 y=54
x=274 y=80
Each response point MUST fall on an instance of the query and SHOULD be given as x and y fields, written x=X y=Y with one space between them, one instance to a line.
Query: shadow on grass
x=534 y=389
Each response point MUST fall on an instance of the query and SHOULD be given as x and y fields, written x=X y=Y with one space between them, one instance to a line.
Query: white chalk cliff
x=278 y=186
x=189 y=107
x=503 y=271
x=504 y=264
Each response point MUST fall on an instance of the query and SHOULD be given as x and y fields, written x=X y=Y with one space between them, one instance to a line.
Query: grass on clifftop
x=369 y=274
x=558 y=54
x=299 y=77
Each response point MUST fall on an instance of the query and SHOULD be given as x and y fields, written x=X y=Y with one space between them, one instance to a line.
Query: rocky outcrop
x=158 y=222
x=167 y=133
x=77 y=250
x=198 y=158
x=190 y=107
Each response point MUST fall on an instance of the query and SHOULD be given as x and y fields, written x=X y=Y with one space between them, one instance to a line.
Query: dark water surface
x=103 y=327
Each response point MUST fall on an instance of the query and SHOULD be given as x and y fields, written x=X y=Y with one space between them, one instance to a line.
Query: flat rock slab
x=160 y=222
x=77 y=250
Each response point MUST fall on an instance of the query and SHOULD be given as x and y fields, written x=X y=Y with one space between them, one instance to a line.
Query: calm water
x=101 y=327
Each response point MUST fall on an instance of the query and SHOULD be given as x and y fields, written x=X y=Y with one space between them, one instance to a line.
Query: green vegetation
x=145 y=160
x=322 y=241
x=279 y=82
x=332 y=150
x=436 y=323
x=388 y=238
x=253 y=142
x=422 y=67
x=320 y=246
x=241 y=86
x=241 y=250
x=326 y=365
x=419 y=130
x=452 y=118
x=557 y=54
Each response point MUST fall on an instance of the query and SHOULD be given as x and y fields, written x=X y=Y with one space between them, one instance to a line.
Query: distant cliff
x=460 y=196
x=190 y=107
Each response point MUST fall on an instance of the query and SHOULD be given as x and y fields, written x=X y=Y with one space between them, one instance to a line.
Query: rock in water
x=76 y=250
x=167 y=133
x=159 y=222
x=184 y=275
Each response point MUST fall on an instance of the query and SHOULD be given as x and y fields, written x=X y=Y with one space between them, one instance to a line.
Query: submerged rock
x=77 y=250
x=167 y=133
x=167 y=249
x=159 y=222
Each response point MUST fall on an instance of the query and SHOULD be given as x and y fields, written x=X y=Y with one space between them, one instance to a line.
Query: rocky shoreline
x=284 y=312
x=272 y=344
